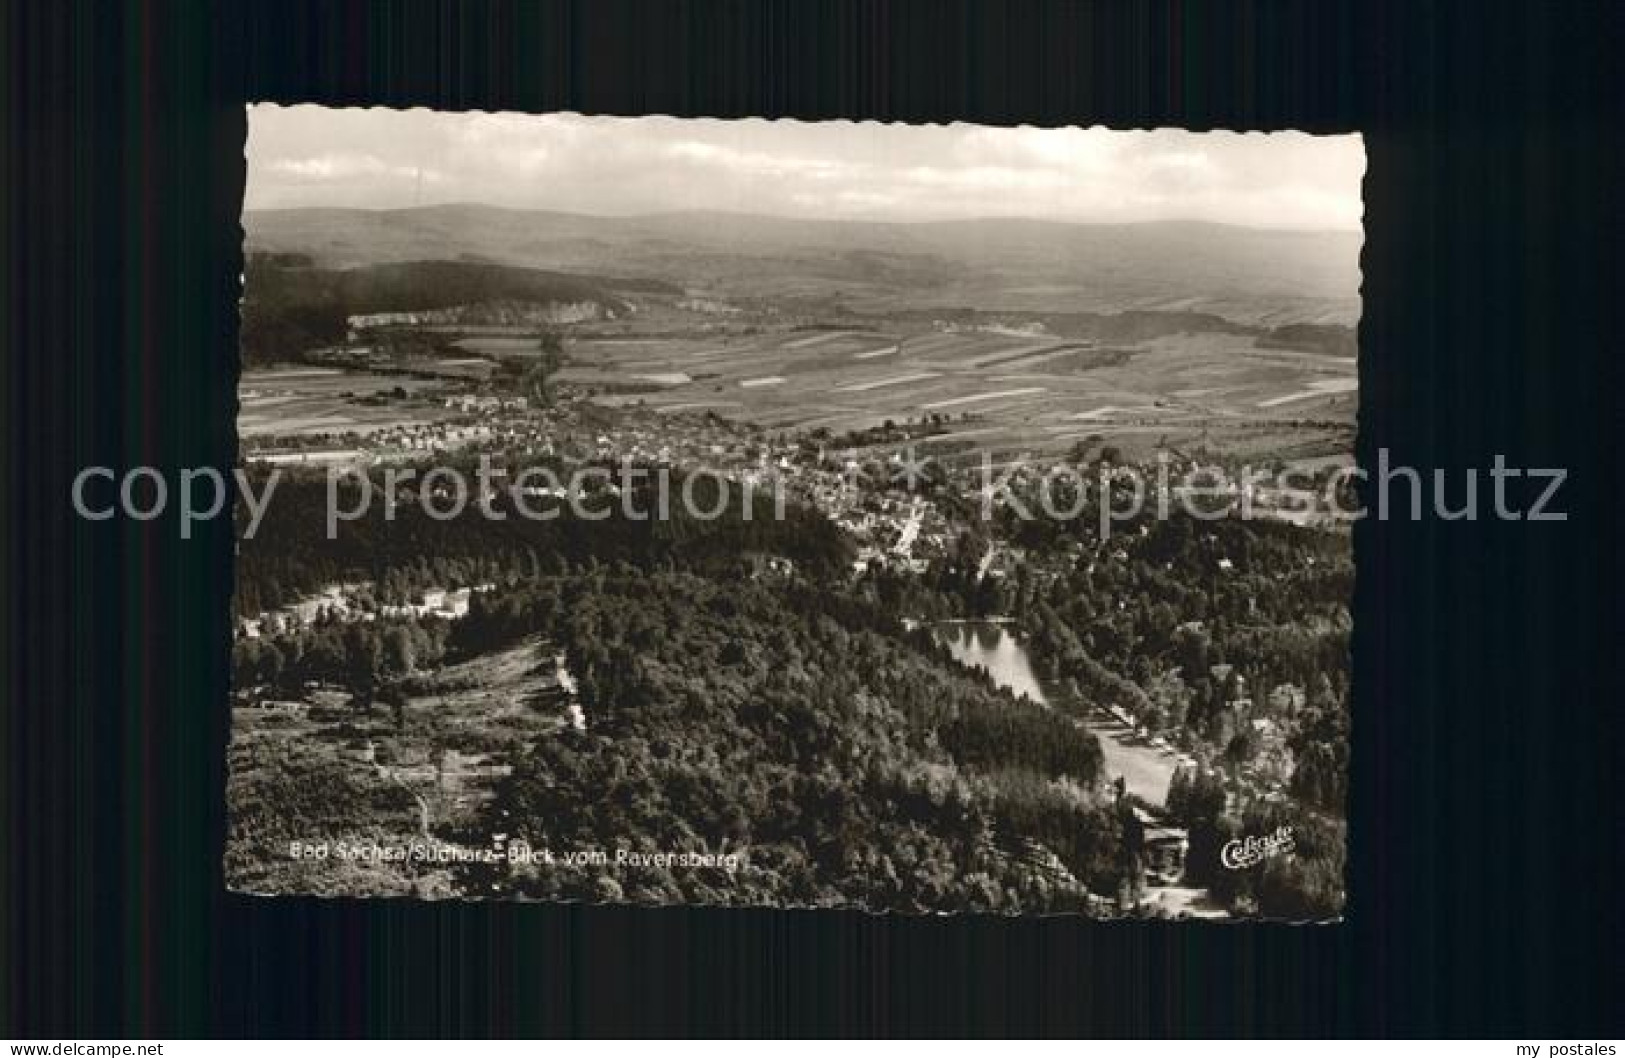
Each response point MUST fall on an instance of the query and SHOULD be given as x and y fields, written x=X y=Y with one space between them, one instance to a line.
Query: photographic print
x=917 y=519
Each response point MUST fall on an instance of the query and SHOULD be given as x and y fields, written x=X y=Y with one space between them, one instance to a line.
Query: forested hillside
x=290 y=555
x=290 y=305
x=847 y=765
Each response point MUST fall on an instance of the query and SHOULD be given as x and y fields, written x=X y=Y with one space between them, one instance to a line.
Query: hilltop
x=1248 y=275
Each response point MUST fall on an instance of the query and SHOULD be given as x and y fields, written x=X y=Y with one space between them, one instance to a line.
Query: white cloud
x=313 y=156
x=340 y=166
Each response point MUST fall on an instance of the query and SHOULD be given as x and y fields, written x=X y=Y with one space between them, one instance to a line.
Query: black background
x=1484 y=873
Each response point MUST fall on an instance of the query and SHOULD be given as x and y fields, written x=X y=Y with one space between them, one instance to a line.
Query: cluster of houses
x=306 y=457
x=894 y=532
x=421 y=438
x=486 y=403
x=347 y=603
x=450 y=605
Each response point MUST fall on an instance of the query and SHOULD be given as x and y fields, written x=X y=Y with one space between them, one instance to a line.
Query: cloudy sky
x=314 y=156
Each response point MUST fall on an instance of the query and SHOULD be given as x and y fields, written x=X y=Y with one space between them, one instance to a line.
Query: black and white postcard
x=912 y=519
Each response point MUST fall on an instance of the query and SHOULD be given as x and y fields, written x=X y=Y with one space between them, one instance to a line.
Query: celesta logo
x=1252 y=850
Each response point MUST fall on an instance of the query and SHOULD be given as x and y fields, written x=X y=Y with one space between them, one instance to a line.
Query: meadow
x=1029 y=391
x=295 y=400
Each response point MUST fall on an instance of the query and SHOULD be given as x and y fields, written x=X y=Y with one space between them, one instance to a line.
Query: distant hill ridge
x=1250 y=275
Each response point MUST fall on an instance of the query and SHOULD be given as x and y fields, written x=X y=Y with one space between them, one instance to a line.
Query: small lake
x=996 y=650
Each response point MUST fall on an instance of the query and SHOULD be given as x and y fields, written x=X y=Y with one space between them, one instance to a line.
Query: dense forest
x=791 y=716
x=1228 y=637
x=840 y=757
x=290 y=305
x=290 y=555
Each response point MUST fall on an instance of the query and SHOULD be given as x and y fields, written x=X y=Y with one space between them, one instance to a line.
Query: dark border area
x=1485 y=816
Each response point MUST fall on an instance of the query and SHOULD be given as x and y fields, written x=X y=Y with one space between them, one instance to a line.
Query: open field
x=1219 y=390
x=317 y=400
x=1001 y=390
x=1035 y=335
